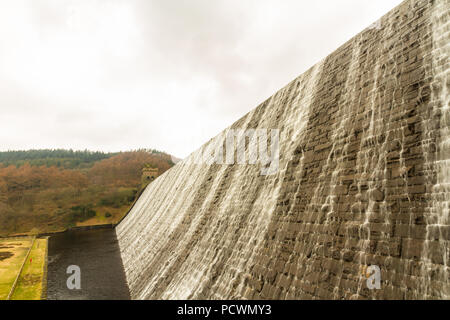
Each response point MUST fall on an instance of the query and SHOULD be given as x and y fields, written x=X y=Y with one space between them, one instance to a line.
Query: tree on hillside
x=38 y=192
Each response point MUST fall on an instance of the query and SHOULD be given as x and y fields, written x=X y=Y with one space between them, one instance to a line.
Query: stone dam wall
x=363 y=179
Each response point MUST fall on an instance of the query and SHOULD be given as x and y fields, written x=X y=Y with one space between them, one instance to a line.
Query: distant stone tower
x=149 y=174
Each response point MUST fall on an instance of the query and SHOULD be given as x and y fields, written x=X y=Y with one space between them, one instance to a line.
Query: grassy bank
x=31 y=279
x=12 y=255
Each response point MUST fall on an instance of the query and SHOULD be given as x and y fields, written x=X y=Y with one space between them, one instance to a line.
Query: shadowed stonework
x=364 y=180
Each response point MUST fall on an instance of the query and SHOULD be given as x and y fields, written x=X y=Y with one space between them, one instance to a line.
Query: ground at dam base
x=95 y=254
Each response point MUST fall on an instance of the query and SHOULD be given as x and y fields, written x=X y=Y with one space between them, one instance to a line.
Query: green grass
x=29 y=286
x=10 y=267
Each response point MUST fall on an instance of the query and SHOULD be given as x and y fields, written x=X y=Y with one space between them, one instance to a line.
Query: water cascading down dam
x=363 y=180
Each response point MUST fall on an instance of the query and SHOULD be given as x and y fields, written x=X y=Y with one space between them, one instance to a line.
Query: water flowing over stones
x=364 y=179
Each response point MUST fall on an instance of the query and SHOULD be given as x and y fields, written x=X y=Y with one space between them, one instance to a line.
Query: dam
x=363 y=181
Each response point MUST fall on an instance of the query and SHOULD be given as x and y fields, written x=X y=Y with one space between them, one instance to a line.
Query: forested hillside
x=50 y=190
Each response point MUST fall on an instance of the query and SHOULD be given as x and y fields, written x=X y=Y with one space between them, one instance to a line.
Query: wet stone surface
x=96 y=253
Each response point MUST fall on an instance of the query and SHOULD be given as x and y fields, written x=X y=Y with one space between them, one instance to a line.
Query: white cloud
x=119 y=75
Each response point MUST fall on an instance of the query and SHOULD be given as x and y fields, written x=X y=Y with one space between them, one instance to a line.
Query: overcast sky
x=166 y=74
